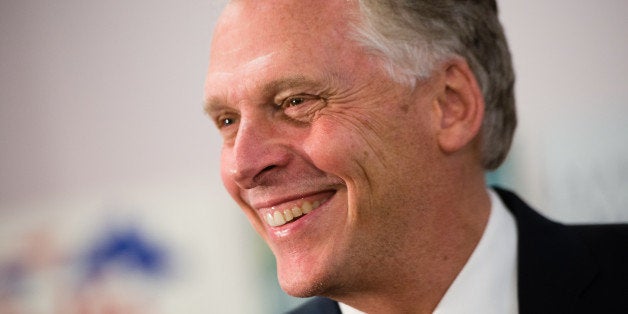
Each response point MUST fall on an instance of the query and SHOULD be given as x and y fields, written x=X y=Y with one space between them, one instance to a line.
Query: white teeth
x=269 y=220
x=306 y=207
x=288 y=214
x=277 y=218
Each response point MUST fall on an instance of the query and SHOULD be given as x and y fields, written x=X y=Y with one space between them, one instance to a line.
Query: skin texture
x=306 y=113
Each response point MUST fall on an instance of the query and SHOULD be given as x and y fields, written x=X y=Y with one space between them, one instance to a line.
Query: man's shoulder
x=607 y=241
x=318 y=305
x=603 y=234
x=599 y=237
x=569 y=268
x=608 y=244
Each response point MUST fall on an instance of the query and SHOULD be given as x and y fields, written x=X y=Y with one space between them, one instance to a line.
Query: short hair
x=412 y=36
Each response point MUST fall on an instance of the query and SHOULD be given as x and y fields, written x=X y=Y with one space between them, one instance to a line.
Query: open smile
x=288 y=212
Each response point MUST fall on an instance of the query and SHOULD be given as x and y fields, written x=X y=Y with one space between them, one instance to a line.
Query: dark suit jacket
x=562 y=269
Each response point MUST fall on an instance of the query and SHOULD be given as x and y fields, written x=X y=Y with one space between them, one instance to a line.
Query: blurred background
x=110 y=198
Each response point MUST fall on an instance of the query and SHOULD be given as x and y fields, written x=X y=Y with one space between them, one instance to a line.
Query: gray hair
x=413 y=36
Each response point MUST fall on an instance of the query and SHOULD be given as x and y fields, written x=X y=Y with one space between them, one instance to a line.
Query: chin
x=303 y=289
x=304 y=283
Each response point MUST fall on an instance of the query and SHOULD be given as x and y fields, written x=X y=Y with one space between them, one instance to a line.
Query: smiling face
x=331 y=160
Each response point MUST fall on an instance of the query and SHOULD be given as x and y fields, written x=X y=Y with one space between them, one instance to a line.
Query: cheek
x=342 y=143
x=333 y=149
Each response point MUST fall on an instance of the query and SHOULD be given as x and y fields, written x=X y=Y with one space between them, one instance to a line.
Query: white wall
x=98 y=93
x=101 y=126
x=571 y=147
x=100 y=111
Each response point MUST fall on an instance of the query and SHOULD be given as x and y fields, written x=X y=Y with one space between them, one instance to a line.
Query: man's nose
x=259 y=154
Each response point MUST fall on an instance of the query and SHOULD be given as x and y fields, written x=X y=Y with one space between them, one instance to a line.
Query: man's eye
x=295 y=101
x=301 y=107
x=225 y=121
x=292 y=102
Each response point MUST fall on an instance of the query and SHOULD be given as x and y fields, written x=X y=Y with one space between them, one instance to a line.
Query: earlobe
x=461 y=107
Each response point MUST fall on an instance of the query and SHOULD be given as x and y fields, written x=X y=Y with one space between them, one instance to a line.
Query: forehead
x=252 y=34
x=280 y=20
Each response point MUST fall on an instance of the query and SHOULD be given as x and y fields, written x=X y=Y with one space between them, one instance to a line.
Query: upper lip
x=268 y=202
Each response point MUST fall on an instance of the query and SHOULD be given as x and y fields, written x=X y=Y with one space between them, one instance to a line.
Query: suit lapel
x=555 y=265
x=318 y=305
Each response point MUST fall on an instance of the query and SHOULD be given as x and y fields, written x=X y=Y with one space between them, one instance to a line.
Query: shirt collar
x=488 y=281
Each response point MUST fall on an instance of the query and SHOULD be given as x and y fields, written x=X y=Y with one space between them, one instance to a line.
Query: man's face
x=311 y=123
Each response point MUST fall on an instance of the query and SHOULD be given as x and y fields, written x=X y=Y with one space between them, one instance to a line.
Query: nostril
x=268 y=168
x=259 y=177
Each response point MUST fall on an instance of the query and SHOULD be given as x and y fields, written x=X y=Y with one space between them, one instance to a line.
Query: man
x=356 y=136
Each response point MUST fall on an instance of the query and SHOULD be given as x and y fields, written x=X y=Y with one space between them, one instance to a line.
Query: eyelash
x=224 y=121
x=289 y=101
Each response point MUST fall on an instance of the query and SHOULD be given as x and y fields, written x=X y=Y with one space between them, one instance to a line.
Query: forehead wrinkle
x=244 y=70
x=256 y=63
x=286 y=83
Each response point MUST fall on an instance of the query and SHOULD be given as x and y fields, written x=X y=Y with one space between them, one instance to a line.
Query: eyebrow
x=288 y=82
x=213 y=104
x=218 y=102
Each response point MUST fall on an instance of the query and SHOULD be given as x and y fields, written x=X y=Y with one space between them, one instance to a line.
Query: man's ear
x=460 y=106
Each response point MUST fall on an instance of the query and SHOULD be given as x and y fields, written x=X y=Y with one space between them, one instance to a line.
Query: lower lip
x=283 y=231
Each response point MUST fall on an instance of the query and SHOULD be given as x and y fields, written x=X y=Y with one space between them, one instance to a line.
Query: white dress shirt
x=488 y=281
